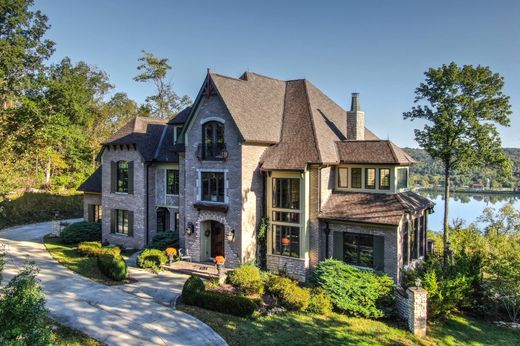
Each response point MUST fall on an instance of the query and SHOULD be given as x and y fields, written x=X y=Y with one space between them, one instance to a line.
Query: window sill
x=170 y=195
x=287 y=257
x=121 y=193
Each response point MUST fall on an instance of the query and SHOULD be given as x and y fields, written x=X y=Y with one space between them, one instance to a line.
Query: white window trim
x=198 y=185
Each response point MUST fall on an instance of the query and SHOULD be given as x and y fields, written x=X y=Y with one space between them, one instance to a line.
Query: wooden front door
x=217 y=239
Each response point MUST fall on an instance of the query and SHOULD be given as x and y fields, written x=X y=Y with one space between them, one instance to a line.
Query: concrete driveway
x=108 y=314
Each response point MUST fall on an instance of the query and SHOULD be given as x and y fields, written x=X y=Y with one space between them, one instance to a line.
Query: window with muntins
x=402 y=178
x=286 y=193
x=384 y=179
x=172 y=181
x=355 y=178
x=213 y=145
x=122 y=176
x=286 y=241
x=95 y=212
x=370 y=178
x=343 y=177
x=121 y=221
x=212 y=186
x=364 y=250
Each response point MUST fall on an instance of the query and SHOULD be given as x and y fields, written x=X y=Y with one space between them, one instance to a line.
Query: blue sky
x=378 y=48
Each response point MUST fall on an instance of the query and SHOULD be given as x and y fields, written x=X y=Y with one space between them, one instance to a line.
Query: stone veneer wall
x=412 y=306
x=90 y=198
x=297 y=268
x=133 y=202
x=210 y=109
x=391 y=264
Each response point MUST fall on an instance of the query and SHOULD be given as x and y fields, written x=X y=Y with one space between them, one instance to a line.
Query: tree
x=461 y=106
x=23 y=312
x=165 y=103
x=23 y=48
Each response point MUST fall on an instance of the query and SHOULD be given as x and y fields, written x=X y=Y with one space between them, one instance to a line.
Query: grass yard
x=336 y=329
x=64 y=336
x=70 y=258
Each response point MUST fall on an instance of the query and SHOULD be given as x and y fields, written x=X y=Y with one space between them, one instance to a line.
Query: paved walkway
x=114 y=315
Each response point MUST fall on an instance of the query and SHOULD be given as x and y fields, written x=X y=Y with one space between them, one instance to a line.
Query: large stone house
x=256 y=147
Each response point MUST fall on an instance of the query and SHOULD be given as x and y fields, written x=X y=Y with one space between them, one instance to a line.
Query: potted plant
x=219 y=261
x=171 y=252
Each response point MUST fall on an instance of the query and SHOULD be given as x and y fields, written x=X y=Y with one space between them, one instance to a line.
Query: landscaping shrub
x=151 y=258
x=23 y=312
x=94 y=248
x=113 y=267
x=355 y=291
x=194 y=293
x=81 y=231
x=247 y=279
x=163 y=240
x=1 y=266
x=289 y=294
x=320 y=302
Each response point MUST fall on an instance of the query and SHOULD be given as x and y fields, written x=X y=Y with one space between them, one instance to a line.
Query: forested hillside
x=53 y=117
x=428 y=172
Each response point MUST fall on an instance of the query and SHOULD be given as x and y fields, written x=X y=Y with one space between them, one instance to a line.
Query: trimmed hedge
x=113 y=266
x=94 y=248
x=80 y=232
x=151 y=258
x=194 y=293
x=320 y=302
x=289 y=294
x=247 y=279
x=355 y=291
x=162 y=240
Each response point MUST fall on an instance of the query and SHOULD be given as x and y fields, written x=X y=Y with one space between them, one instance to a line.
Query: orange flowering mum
x=171 y=251
x=219 y=260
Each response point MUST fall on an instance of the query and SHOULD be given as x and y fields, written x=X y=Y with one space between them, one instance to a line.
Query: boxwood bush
x=94 y=248
x=194 y=293
x=289 y=294
x=152 y=259
x=113 y=266
x=355 y=291
x=81 y=231
x=320 y=302
x=162 y=240
x=247 y=279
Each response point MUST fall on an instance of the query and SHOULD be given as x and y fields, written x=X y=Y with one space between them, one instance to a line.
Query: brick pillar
x=418 y=311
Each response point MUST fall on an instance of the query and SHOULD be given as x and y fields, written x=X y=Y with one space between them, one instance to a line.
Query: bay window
x=370 y=178
x=286 y=241
x=402 y=178
x=384 y=179
x=355 y=178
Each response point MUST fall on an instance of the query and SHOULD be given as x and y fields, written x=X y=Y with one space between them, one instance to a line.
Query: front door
x=217 y=239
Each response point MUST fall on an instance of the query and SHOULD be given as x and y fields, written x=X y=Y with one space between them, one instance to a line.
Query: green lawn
x=70 y=258
x=336 y=329
x=64 y=336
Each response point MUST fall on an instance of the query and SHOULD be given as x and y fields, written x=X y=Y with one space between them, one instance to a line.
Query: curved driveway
x=106 y=313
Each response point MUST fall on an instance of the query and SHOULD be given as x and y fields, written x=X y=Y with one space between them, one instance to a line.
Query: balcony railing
x=212 y=152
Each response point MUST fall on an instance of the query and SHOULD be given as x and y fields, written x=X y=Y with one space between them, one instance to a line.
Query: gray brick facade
x=89 y=199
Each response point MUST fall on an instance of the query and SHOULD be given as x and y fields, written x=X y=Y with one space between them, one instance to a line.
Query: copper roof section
x=372 y=208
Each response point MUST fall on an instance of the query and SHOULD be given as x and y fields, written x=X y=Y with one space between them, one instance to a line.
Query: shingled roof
x=372 y=152
x=93 y=183
x=372 y=208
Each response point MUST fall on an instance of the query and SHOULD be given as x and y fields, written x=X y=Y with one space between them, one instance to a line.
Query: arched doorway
x=163 y=220
x=212 y=240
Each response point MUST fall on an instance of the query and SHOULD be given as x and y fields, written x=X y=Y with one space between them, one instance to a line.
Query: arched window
x=122 y=176
x=213 y=146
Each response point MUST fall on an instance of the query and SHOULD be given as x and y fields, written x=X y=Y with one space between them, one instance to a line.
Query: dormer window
x=177 y=129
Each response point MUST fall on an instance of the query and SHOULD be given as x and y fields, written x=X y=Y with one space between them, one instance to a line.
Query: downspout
x=327 y=232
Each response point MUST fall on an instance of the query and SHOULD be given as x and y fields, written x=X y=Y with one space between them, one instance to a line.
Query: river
x=466 y=206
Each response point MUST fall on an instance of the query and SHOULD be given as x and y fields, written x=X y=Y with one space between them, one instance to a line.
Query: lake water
x=466 y=206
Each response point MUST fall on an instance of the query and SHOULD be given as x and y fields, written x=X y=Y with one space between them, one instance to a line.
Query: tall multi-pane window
x=172 y=181
x=370 y=178
x=122 y=176
x=121 y=221
x=213 y=141
x=286 y=205
x=355 y=178
x=384 y=179
x=402 y=178
x=213 y=186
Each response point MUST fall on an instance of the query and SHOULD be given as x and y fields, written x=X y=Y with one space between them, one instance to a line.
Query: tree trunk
x=446 y=209
x=48 y=173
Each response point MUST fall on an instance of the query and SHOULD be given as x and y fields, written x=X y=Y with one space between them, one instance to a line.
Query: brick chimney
x=355 y=120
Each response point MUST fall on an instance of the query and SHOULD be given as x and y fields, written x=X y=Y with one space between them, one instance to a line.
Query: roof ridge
x=309 y=110
x=264 y=76
x=392 y=151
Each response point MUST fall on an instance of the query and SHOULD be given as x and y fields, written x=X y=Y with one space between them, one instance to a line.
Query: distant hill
x=429 y=172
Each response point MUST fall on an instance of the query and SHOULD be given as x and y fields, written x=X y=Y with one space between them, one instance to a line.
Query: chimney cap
x=355 y=105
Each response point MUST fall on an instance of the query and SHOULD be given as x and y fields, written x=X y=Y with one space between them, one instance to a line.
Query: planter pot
x=170 y=259
x=221 y=275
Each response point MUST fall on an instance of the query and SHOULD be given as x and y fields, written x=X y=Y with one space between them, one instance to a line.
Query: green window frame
x=286 y=193
x=172 y=181
x=370 y=178
x=286 y=241
x=356 y=178
x=384 y=178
